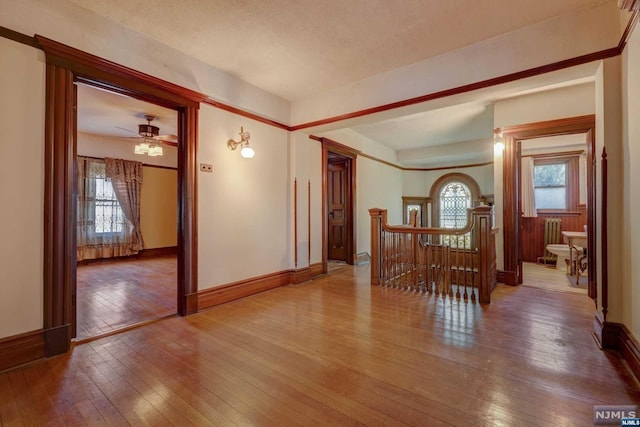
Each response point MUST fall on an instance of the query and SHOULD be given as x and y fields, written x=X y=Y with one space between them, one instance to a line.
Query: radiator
x=551 y=235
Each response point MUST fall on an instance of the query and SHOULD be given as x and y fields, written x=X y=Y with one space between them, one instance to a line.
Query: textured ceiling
x=296 y=48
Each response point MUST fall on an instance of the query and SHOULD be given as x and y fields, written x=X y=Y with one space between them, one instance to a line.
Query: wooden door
x=337 y=214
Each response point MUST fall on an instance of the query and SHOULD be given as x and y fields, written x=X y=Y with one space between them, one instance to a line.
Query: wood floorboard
x=335 y=351
x=114 y=294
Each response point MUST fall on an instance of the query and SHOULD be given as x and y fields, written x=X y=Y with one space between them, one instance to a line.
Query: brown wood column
x=187 y=211
x=59 y=215
x=376 y=222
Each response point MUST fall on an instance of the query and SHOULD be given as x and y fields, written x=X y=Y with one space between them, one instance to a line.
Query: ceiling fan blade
x=126 y=130
x=167 y=138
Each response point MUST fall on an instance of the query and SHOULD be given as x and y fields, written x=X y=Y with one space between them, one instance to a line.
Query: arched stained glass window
x=455 y=199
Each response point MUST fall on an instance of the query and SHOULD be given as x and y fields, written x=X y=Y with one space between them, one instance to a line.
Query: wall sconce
x=498 y=142
x=245 y=150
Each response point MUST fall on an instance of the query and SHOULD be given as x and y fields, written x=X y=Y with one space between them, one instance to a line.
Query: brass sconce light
x=245 y=150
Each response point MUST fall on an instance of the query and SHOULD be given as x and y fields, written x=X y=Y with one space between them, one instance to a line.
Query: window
x=109 y=217
x=550 y=185
x=455 y=199
x=452 y=195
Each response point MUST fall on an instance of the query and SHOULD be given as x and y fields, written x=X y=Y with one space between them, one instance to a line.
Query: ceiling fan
x=151 y=138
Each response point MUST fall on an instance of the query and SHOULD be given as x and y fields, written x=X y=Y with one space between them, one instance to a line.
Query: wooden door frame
x=512 y=136
x=329 y=146
x=65 y=66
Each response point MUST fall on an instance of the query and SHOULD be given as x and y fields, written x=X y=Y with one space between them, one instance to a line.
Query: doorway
x=117 y=287
x=513 y=136
x=338 y=201
x=65 y=67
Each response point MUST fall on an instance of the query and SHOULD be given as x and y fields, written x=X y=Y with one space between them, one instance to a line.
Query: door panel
x=336 y=202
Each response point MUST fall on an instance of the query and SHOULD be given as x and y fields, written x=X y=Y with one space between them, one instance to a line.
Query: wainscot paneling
x=533 y=230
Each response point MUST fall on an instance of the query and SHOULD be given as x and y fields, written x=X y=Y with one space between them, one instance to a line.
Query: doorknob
x=330 y=213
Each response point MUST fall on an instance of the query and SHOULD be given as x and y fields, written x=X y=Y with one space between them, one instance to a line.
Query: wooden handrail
x=400 y=258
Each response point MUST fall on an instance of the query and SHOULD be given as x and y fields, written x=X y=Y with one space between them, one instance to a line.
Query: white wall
x=419 y=183
x=631 y=207
x=307 y=169
x=609 y=135
x=244 y=213
x=377 y=186
x=21 y=188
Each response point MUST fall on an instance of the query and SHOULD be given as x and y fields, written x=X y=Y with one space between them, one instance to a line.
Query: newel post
x=486 y=254
x=376 y=236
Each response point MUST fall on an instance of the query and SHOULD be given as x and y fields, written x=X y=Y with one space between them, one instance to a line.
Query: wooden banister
x=429 y=259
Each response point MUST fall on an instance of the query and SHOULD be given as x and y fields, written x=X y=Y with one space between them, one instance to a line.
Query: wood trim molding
x=59 y=273
x=152 y=252
x=507 y=78
x=211 y=297
x=23 y=348
x=630 y=350
x=295 y=223
x=500 y=276
x=18 y=37
x=37 y=42
x=247 y=114
x=511 y=183
x=65 y=65
x=57 y=340
x=617 y=337
x=603 y=237
x=439 y=168
x=82 y=63
x=629 y=5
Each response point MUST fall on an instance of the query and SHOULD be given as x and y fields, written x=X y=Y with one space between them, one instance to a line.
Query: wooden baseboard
x=316 y=269
x=617 y=337
x=20 y=349
x=500 y=276
x=169 y=250
x=630 y=350
x=144 y=253
x=208 y=298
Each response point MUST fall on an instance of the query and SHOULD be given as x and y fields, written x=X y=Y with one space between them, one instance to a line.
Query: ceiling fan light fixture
x=155 y=150
x=149 y=145
x=142 y=148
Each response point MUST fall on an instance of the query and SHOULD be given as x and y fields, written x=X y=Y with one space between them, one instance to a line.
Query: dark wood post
x=376 y=235
x=486 y=254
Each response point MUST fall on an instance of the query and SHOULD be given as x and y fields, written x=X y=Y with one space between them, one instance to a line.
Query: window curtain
x=527 y=189
x=102 y=229
x=126 y=178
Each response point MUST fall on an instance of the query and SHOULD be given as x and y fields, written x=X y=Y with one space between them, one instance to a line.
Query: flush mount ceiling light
x=149 y=145
x=245 y=150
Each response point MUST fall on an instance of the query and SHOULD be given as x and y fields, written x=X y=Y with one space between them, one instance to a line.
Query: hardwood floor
x=550 y=278
x=335 y=351
x=116 y=294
